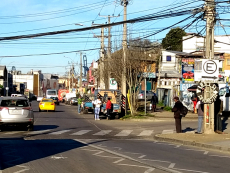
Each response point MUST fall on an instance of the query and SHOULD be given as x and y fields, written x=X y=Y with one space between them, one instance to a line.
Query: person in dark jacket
x=108 y=108
x=176 y=109
x=154 y=102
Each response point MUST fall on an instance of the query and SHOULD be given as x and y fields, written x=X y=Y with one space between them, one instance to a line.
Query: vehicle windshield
x=47 y=100
x=14 y=103
x=54 y=98
x=52 y=93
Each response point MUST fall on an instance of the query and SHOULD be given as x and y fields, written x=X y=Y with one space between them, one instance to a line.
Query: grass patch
x=168 y=108
x=137 y=115
x=160 y=104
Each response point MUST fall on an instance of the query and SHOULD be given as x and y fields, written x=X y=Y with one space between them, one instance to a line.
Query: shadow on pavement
x=188 y=129
x=17 y=151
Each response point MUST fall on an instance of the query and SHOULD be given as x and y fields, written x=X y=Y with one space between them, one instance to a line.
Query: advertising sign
x=185 y=86
x=187 y=69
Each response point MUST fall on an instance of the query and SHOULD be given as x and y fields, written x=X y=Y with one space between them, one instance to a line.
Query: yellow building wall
x=226 y=58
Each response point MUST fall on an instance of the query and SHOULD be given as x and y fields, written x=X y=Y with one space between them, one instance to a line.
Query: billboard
x=187 y=65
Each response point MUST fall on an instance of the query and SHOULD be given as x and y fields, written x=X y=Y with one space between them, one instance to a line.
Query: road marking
x=205 y=152
x=57 y=158
x=118 y=148
x=219 y=156
x=167 y=131
x=26 y=168
x=141 y=156
x=172 y=165
x=59 y=132
x=124 y=133
x=127 y=157
x=98 y=152
x=81 y=132
x=120 y=160
x=37 y=132
x=102 y=132
x=148 y=171
x=189 y=170
x=156 y=160
x=11 y=133
x=146 y=133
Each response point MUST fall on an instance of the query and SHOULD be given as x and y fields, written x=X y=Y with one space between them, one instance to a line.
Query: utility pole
x=109 y=47
x=80 y=82
x=102 y=58
x=209 y=54
x=124 y=44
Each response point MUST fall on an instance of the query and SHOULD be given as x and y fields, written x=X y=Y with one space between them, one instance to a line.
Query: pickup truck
x=115 y=97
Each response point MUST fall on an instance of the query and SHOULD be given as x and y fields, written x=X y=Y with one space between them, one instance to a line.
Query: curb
x=192 y=143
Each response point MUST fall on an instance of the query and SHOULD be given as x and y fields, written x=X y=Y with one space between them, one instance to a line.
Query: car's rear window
x=14 y=103
x=47 y=100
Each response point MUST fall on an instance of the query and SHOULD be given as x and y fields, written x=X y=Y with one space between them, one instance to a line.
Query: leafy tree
x=173 y=40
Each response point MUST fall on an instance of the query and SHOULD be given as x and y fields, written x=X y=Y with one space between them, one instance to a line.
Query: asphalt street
x=66 y=142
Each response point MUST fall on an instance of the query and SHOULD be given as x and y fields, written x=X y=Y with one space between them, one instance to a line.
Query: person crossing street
x=97 y=104
x=108 y=108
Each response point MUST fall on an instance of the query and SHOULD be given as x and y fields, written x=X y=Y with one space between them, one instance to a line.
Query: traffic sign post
x=208 y=92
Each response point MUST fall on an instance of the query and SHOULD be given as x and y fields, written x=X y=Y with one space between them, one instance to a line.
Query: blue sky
x=21 y=17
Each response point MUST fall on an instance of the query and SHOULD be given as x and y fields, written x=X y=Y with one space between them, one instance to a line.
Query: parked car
x=56 y=101
x=73 y=101
x=47 y=105
x=149 y=94
x=39 y=98
x=16 y=111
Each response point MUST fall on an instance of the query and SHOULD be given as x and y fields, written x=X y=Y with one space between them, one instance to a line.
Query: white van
x=51 y=93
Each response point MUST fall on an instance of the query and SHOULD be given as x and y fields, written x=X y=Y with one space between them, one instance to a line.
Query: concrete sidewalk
x=166 y=114
x=207 y=141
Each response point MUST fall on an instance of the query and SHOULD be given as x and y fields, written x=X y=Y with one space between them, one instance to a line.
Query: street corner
x=208 y=141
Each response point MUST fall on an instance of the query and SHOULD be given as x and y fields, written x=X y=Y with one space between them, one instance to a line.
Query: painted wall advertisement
x=187 y=69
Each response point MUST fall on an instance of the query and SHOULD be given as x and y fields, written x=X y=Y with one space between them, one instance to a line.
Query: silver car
x=149 y=94
x=16 y=110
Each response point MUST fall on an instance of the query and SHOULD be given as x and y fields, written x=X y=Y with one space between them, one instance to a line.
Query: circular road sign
x=210 y=67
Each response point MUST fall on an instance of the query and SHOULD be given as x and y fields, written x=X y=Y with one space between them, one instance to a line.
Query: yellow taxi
x=47 y=104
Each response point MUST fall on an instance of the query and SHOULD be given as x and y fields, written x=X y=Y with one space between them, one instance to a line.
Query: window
x=14 y=103
x=228 y=61
x=168 y=58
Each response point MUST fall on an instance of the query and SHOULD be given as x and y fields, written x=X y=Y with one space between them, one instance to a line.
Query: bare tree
x=136 y=70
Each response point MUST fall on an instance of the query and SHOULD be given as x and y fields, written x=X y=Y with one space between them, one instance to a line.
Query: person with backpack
x=177 y=113
x=154 y=102
x=200 y=111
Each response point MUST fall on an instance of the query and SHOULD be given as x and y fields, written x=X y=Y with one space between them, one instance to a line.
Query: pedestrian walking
x=97 y=104
x=108 y=108
x=200 y=111
x=79 y=102
x=217 y=117
x=176 y=109
x=154 y=102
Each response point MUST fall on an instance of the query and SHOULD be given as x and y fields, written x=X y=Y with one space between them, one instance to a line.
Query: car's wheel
x=58 y=103
x=54 y=110
x=39 y=110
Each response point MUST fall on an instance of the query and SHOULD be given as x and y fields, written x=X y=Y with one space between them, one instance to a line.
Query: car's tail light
x=52 y=103
x=141 y=95
x=87 y=107
x=27 y=108
x=40 y=103
x=3 y=108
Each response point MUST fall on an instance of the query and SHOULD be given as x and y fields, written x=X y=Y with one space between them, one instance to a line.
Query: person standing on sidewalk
x=97 y=108
x=154 y=102
x=176 y=109
x=108 y=108
x=79 y=102
x=200 y=110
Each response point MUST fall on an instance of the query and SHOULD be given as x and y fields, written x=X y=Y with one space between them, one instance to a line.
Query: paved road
x=64 y=141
